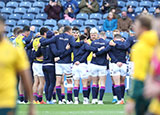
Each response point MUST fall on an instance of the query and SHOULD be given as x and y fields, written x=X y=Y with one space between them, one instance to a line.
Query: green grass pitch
x=107 y=109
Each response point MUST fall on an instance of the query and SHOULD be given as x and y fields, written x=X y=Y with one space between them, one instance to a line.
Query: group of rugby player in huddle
x=54 y=55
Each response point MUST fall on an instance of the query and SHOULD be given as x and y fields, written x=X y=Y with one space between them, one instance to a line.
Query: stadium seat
x=12 y=5
x=32 y=1
x=7 y=29
x=152 y=10
x=2 y=4
x=54 y=28
x=28 y=17
x=49 y=27
x=25 y=5
x=132 y=3
x=109 y=34
x=15 y=17
x=91 y=23
x=33 y=11
x=100 y=28
x=63 y=22
x=23 y=23
x=96 y=16
x=20 y=11
x=101 y=22
x=11 y=23
x=138 y=9
x=9 y=35
x=82 y=16
x=37 y=29
x=145 y=4
x=156 y=3
x=19 y=1
x=78 y=23
x=38 y=5
x=124 y=34
x=50 y=22
x=124 y=9
x=37 y=23
x=105 y=16
x=6 y=11
x=41 y=16
x=6 y=16
x=121 y=4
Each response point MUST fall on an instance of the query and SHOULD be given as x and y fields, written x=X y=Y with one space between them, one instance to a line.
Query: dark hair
x=19 y=31
x=145 y=21
x=88 y=32
x=67 y=28
x=15 y=30
x=2 y=19
x=83 y=37
x=145 y=8
x=75 y=28
x=43 y=30
x=26 y=28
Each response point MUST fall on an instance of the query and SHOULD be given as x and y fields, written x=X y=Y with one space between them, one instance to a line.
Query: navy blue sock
x=54 y=95
x=113 y=91
x=40 y=98
x=58 y=91
x=89 y=90
x=102 y=90
x=69 y=95
x=97 y=91
x=118 y=91
x=21 y=97
x=85 y=92
x=76 y=91
x=122 y=90
x=63 y=95
x=94 y=90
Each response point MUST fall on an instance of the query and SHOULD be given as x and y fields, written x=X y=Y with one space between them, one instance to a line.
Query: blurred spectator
x=145 y=11
x=130 y=12
x=108 y=4
x=53 y=9
x=94 y=34
x=124 y=23
x=110 y=23
x=74 y=6
x=76 y=33
x=157 y=12
x=115 y=32
x=87 y=32
x=115 y=13
x=69 y=13
x=89 y=6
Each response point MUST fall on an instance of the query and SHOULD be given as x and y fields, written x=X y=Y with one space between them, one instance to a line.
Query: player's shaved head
x=2 y=27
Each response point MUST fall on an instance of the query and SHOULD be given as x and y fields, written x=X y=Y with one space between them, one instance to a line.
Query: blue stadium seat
x=11 y=23
x=132 y=3
x=12 y=5
x=41 y=16
x=145 y=4
x=82 y=16
x=19 y=1
x=28 y=17
x=109 y=34
x=7 y=29
x=37 y=23
x=23 y=23
x=25 y=5
x=37 y=29
x=138 y=9
x=105 y=16
x=15 y=17
x=6 y=11
x=33 y=11
x=20 y=11
x=32 y=1
x=50 y=22
x=42 y=11
x=100 y=28
x=101 y=22
x=78 y=23
x=54 y=28
x=121 y=4
x=124 y=34
x=49 y=27
x=9 y=35
x=6 y=16
x=124 y=9
x=152 y=9
x=38 y=5
x=96 y=16
x=156 y=3
x=63 y=22
x=91 y=23
x=2 y=4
